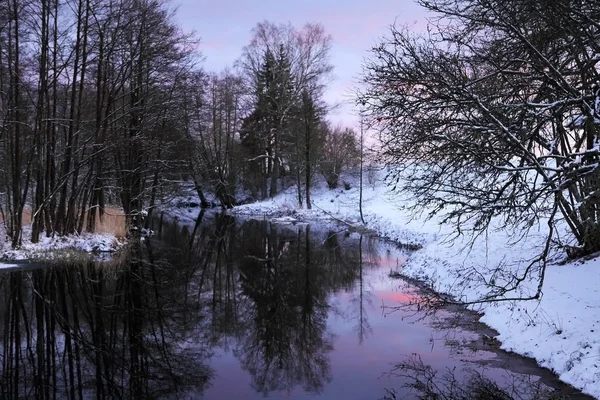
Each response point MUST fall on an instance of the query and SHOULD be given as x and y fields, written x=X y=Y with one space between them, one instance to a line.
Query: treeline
x=104 y=102
x=264 y=127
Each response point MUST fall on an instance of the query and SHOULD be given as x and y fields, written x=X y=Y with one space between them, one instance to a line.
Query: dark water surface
x=248 y=310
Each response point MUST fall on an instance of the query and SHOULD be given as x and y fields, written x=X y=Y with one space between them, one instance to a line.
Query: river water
x=227 y=309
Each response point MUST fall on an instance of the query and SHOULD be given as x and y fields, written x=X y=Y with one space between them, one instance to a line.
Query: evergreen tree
x=283 y=102
x=257 y=126
x=265 y=129
x=301 y=62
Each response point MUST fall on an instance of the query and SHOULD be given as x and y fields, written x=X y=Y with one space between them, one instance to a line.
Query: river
x=248 y=309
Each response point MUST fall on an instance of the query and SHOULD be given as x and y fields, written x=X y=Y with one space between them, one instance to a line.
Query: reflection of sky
x=358 y=370
x=225 y=25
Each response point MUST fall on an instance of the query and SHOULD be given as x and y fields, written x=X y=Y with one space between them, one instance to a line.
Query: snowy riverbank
x=98 y=246
x=560 y=331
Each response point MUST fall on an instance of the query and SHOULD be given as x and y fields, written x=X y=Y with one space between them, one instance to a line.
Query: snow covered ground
x=99 y=246
x=561 y=331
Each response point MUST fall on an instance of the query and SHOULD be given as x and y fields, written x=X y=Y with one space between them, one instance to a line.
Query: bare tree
x=103 y=81
x=340 y=152
x=362 y=161
x=214 y=118
x=493 y=116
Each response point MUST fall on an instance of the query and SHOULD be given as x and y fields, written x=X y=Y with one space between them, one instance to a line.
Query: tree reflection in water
x=285 y=343
x=424 y=382
x=80 y=331
x=147 y=325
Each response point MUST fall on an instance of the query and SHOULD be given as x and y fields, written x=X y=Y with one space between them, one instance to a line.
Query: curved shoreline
x=520 y=330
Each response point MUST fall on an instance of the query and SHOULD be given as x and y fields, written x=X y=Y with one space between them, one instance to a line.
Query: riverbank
x=560 y=331
x=98 y=246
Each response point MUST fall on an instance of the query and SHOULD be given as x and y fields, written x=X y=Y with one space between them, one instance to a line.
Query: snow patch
x=98 y=245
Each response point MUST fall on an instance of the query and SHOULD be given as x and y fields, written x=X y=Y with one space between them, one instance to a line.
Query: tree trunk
x=307 y=160
x=275 y=169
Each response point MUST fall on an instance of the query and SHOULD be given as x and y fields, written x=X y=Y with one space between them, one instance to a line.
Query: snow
x=560 y=331
x=183 y=205
x=99 y=246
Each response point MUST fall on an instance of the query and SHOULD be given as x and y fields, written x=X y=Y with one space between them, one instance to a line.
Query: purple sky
x=224 y=26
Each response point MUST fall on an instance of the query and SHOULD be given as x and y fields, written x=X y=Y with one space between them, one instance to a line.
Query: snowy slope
x=561 y=331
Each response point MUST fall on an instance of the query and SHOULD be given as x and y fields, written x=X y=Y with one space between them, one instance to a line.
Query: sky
x=355 y=25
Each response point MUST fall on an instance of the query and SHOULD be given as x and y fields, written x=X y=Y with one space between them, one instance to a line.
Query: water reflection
x=267 y=289
x=80 y=331
x=426 y=382
x=220 y=309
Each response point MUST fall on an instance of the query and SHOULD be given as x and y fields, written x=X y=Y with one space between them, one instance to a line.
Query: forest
x=104 y=104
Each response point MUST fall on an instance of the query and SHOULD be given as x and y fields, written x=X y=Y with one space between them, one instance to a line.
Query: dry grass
x=26 y=216
x=113 y=221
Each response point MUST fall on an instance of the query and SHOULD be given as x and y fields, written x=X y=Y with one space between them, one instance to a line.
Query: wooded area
x=105 y=102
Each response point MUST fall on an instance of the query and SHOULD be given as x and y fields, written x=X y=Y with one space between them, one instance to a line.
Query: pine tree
x=264 y=130
x=283 y=102
x=257 y=126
